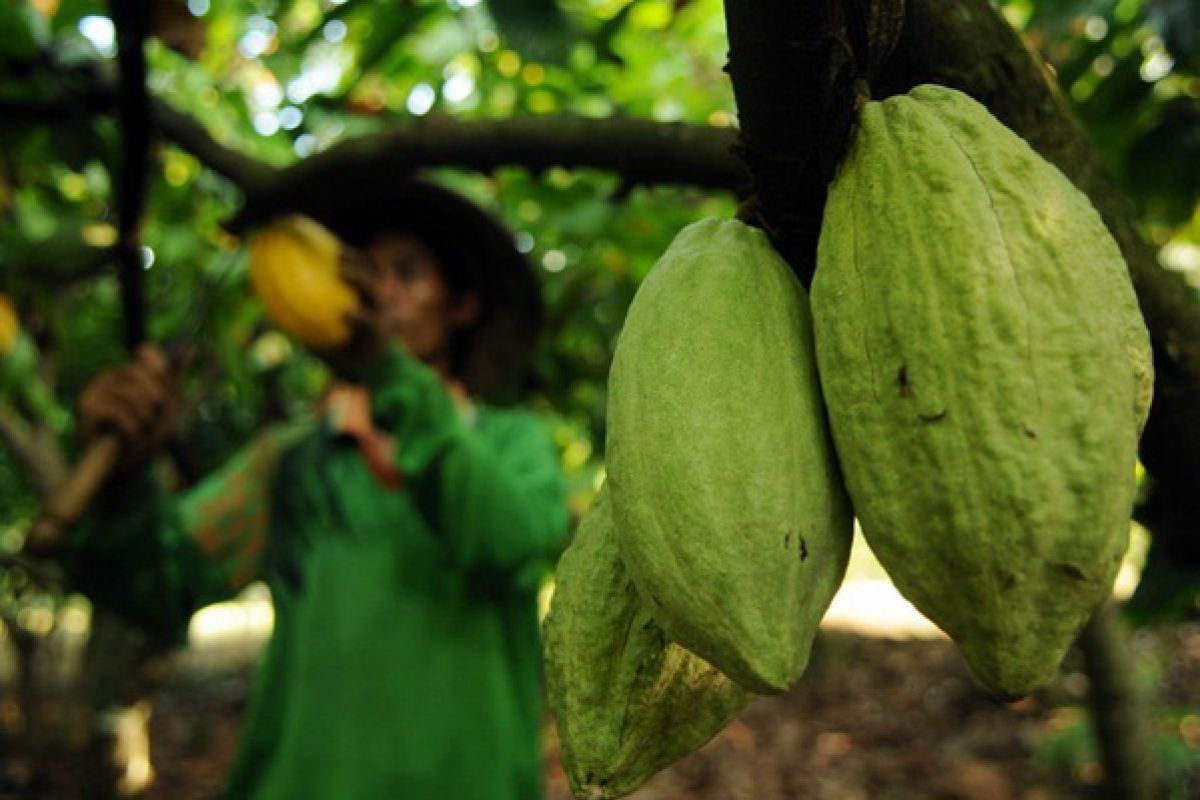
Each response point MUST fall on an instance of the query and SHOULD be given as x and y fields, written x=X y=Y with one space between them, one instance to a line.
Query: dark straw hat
x=478 y=256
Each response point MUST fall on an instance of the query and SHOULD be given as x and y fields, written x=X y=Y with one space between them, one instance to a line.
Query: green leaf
x=21 y=31
x=537 y=29
x=1167 y=591
x=71 y=11
x=1062 y=12
x=1152 y=166
x=387 y=31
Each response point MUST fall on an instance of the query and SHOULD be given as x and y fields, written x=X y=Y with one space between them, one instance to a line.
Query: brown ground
x=873 y=720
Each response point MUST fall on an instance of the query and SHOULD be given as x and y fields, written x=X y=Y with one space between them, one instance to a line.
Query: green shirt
x=405 y=659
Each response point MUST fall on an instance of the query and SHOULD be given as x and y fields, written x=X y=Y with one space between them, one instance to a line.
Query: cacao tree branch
x=797 y=70
x=640 y=150
x=792 y=69
x=248 y=174
x=968 y=45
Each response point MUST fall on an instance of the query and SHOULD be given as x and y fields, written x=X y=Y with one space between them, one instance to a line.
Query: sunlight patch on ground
x=868 y=603
x=130 y=729
x=232 y=632
x=873 y=607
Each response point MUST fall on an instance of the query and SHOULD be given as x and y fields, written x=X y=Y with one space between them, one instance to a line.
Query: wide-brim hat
x=491 y=356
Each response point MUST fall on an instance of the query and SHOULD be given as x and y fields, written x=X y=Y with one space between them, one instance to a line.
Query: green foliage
x=1131 y=67
x=1167 y=591
x=1067 y=743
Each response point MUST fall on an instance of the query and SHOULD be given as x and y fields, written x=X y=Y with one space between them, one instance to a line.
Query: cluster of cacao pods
x=295 y=265
x=984 y=374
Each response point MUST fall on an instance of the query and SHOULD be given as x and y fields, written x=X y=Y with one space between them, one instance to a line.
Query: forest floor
x=874 y=718
x=886 y=711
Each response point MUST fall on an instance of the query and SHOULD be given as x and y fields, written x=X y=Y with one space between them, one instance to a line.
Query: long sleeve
x=498 y=500
x=157 y=558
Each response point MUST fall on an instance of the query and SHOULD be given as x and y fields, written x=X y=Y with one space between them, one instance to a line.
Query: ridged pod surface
x=729 y=510
x=10 y=325
x=987 y=373
x=627 y=702
x=294 y=267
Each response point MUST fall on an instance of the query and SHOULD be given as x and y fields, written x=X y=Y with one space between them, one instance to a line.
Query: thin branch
x=248 y=174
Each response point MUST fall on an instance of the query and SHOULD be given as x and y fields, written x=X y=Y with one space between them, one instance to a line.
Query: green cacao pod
x=627 y=701
x=987 y=373
x=729 y=510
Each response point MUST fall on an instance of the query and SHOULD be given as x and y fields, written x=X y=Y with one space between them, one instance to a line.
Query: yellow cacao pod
x=627 y=702
x=729 y=509
x=294 y=267
x=10 y=325
x=987 y=373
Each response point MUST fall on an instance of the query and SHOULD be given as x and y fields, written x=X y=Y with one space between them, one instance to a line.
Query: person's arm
x=150 y=556
x=157 y=558
x=500 y=509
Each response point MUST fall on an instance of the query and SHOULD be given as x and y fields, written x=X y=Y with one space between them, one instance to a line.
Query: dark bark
x=247 y=174
x=793 y=72
x=641 y=151
x=797 y=71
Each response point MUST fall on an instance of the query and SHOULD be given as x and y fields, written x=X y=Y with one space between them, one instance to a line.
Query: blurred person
x=403 y=530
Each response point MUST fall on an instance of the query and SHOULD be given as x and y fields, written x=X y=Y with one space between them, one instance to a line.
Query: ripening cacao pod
x=294 y=267
x=627 y=702
x=987 y=373
x=10 y=325
x=729 y=509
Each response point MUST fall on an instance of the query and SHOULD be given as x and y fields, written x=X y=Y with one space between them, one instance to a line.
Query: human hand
x=137 y=400
x=368 y=328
